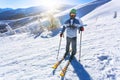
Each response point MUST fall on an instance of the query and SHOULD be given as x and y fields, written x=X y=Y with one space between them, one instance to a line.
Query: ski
x=57 y=64
x=63 y=71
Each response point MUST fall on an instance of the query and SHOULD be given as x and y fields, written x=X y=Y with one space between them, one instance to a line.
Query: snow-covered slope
x=61 y=14
x=108 y=9
x=24 y=58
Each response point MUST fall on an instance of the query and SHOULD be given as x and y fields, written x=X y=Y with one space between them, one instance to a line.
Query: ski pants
x=73 y=41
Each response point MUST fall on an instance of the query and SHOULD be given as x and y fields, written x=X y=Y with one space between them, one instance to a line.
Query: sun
x=49 y=4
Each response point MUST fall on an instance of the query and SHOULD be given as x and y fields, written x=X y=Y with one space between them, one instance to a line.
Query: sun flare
x=49 y=4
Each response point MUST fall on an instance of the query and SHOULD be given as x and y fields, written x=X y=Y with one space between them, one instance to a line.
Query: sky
x=30 y=3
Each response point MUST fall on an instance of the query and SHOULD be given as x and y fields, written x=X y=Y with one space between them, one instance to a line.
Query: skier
x=71 y=26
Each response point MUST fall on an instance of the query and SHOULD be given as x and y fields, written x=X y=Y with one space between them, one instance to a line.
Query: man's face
x=72 y=15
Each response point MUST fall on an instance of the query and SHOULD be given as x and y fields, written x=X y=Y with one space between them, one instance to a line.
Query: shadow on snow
x=80 y=71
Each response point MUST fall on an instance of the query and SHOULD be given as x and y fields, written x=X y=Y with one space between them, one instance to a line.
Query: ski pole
x=80 y=45
x=59 y=47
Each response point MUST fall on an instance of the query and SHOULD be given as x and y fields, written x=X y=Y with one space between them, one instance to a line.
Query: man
x=71 y=26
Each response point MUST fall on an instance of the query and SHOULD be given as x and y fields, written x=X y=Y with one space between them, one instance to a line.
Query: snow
x=24 y=58
x=104 y=10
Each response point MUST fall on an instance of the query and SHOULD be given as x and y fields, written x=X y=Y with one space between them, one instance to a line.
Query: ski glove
x=81 y=28
x=61 y=34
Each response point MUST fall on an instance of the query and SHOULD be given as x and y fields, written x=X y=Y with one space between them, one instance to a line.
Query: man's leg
x=67 y=46
x=74 y=41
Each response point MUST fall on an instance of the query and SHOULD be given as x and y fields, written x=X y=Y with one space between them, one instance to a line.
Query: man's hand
x=61 y=34
x=81 y=28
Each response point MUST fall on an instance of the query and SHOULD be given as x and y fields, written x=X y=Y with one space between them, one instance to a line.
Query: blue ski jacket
x=71 y=26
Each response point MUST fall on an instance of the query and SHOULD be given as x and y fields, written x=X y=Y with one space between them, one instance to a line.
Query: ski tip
x=53 y=67
x=62 y=74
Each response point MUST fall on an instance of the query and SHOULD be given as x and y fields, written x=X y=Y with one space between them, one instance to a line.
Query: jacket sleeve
x=63 y=29
x=81 y=23
x=78 y=23
x=64 y=26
